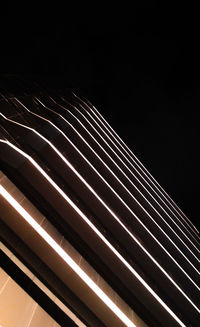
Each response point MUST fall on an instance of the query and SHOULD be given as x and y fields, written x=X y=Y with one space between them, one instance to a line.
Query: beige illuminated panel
x=18 y=309
x=86 y=283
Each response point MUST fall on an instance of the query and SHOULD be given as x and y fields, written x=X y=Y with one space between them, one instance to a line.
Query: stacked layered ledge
x=85 y=230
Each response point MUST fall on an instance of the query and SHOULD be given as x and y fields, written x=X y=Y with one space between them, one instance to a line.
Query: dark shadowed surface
x=141 y=71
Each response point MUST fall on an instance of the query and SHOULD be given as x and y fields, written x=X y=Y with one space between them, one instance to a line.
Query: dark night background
x=141 y=71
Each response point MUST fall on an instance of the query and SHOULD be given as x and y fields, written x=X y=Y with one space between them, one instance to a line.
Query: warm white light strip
x=141 y=185
x=186 y=221
x=55 y=246
x=98 y=233
x=180 y=214
x=177 y=217
x=189 y=225
x=138 y=163
x=120 y=257
x=140 y=166
x=112 y=213
x=131 y=195
x=129 y=168
x=123 y=187
x=106 y=206
x=114 y=190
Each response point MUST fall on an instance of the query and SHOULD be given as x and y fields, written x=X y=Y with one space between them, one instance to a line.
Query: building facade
x=87 y=234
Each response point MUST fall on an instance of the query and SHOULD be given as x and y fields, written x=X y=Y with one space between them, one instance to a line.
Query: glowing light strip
x=130 y=169
x=113 y=191
x=139 y=164
x=138 y=202
x=187 y=222
x=105 y=206
x=90 y=224
x=134 y=199
x=58 y=249
x=135 y=186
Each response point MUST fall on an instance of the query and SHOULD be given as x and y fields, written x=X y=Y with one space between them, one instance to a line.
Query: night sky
x=142 y=71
